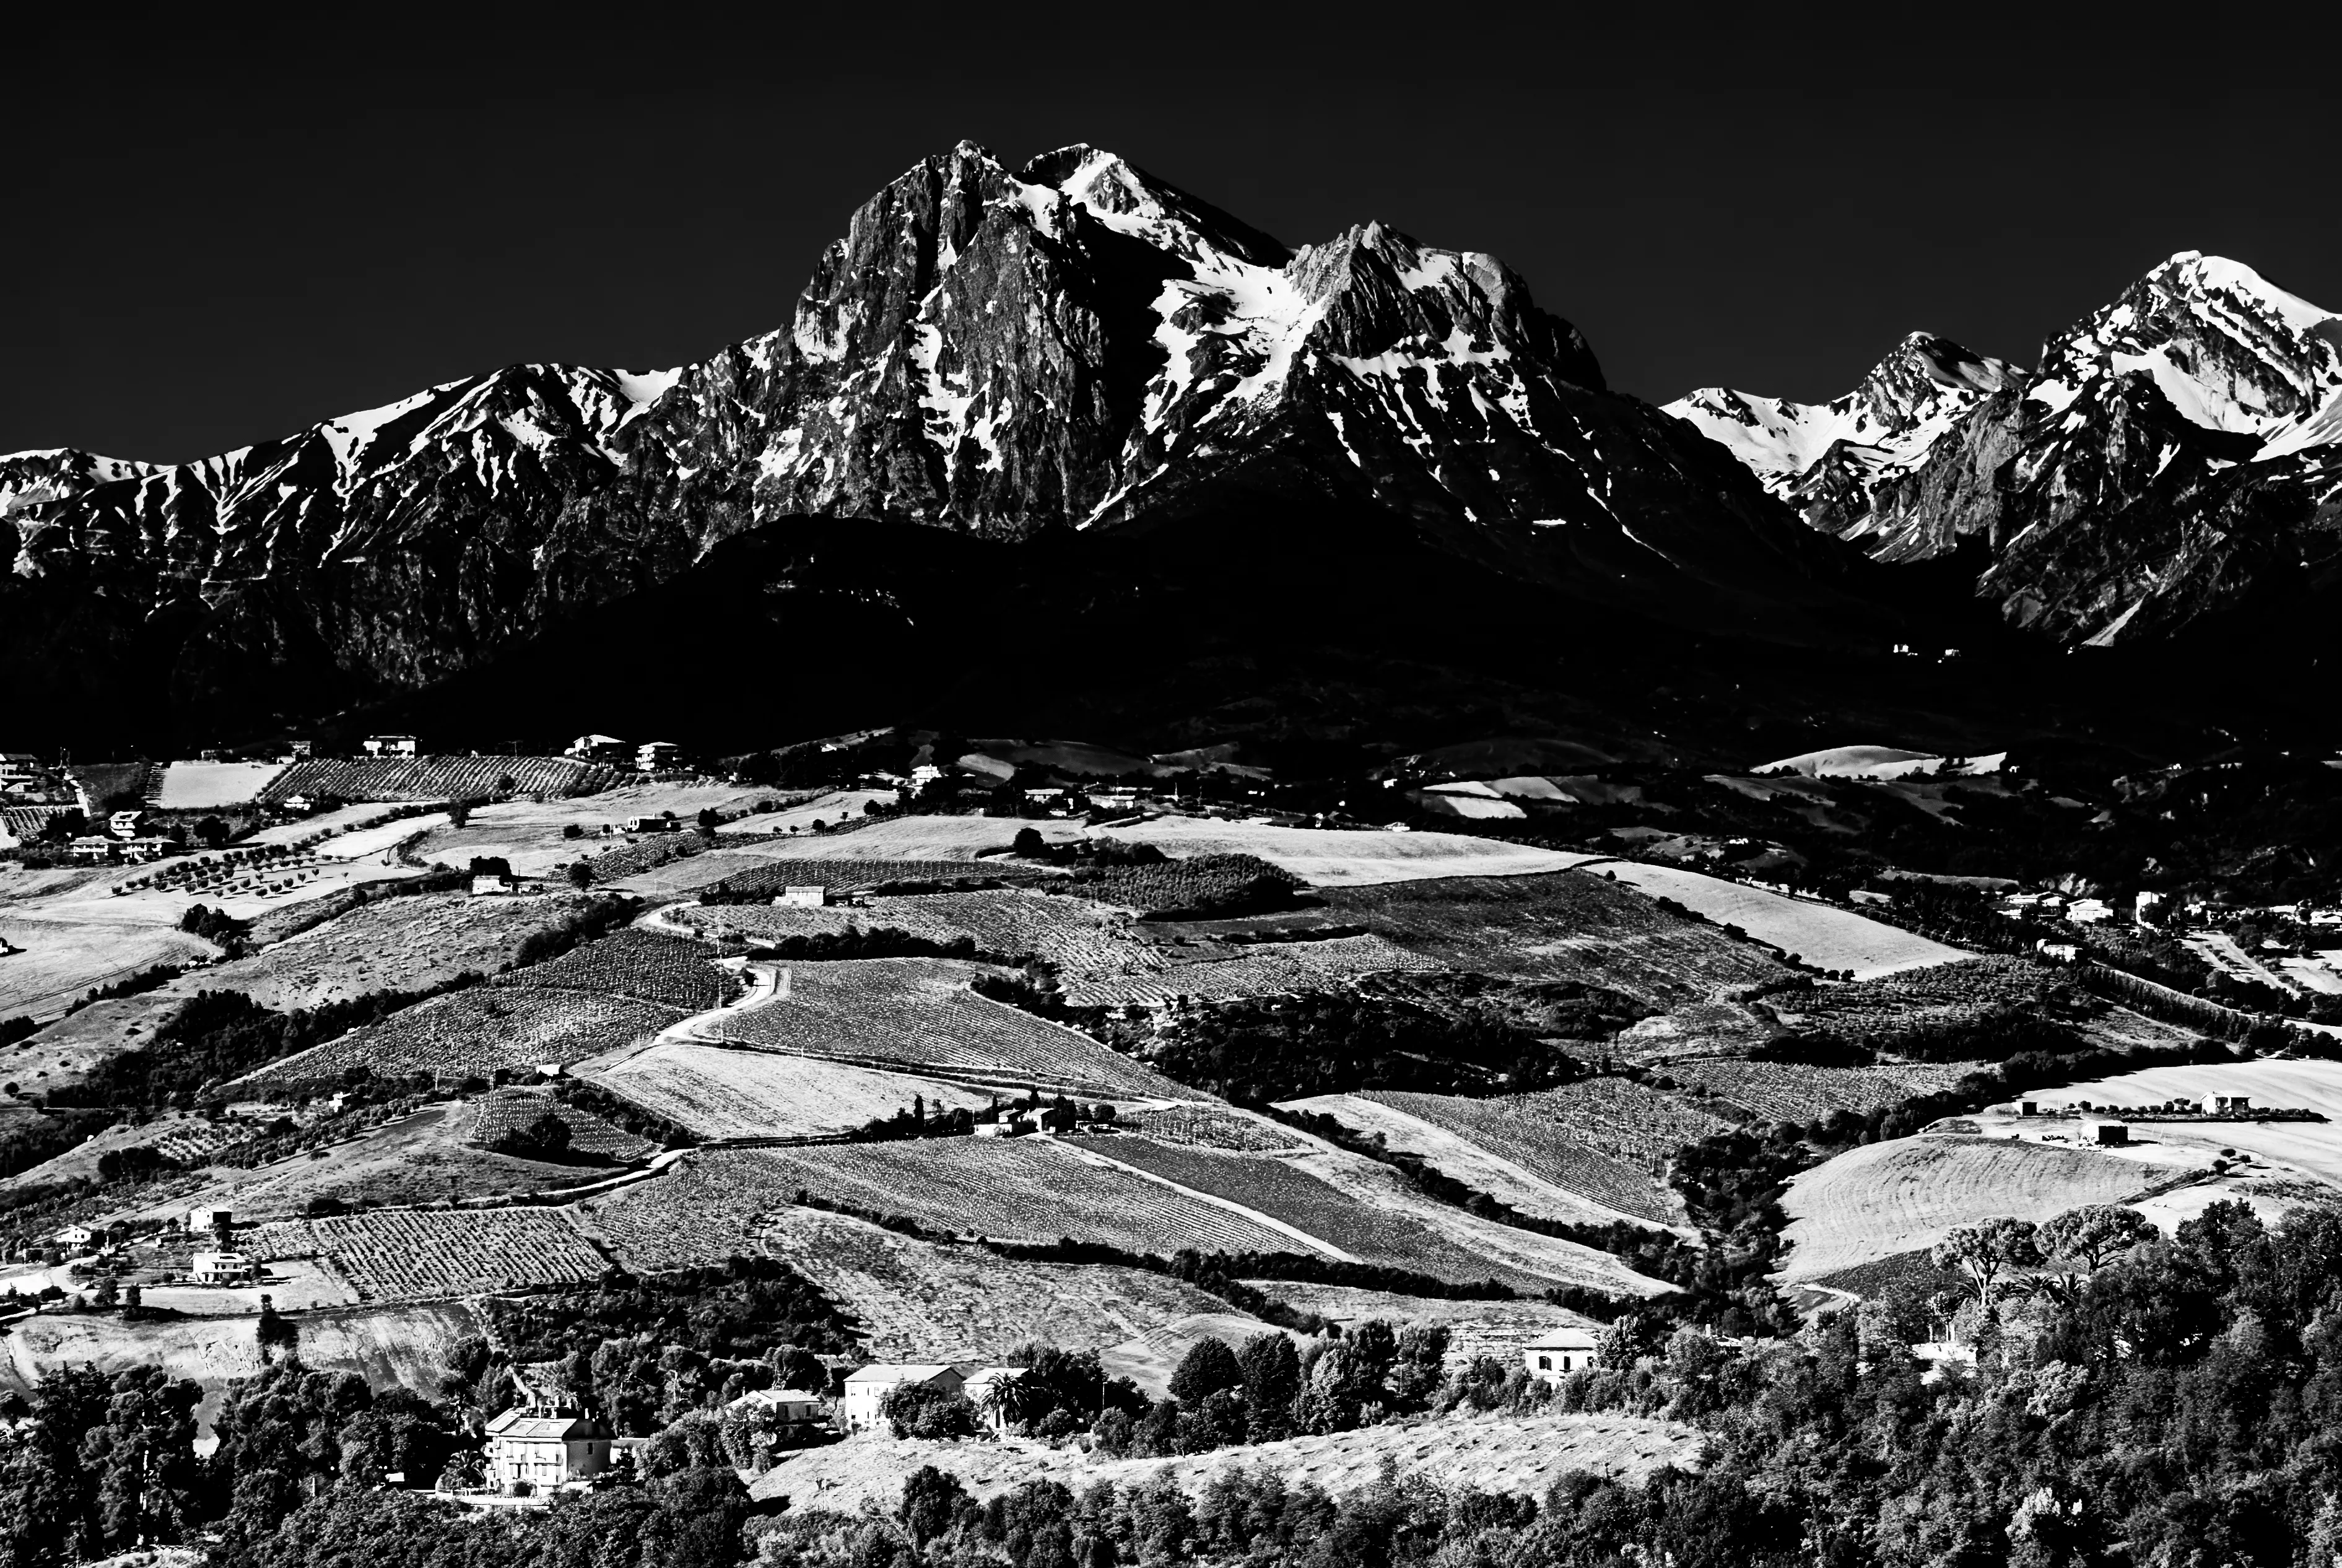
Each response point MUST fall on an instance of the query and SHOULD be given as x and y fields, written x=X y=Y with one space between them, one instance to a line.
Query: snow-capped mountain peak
x=1819 y=457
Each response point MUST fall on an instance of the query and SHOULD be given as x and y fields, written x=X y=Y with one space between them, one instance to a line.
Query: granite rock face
x=2174 y=457
x=1071 y=346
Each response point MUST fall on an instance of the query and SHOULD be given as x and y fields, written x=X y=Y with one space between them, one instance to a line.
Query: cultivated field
x=721 y=1092
x=1825 y=937
x=1379 y=1186
x=703 y=1209
x=1566 y=926
x=530 y=833
x=422 y=1158
x=2311 y=1148
x=473 y=1033
x=764 y=876
x=642 y=965
x=438 y=778
x=1606 y=1139
x=1266 y=970
x=506 y=1111
x=914 y=1299
x=1211 y=1127
x=1459 y=1157
x=1515 y=1455
x=1946 y=993
x=1324 y=857
x=1030 y=1189
x=197 y=786
x=1271 y=1186
x=956 y=838
x=390 y=944
x=918 y=1015
x=1909 y=1192
x=1779 y=1092
x=416 y=1254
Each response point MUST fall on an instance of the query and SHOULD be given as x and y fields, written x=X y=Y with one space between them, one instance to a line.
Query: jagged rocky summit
x=2174 y=458
x=1073 y=346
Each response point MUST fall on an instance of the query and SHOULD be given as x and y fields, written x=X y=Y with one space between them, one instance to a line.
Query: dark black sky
x=224 y=225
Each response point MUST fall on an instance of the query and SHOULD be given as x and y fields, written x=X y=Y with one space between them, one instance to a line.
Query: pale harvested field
x=1025 y=1190
x=918 y=1015
x=195 y=786
x=1910 y=1192
x=921 y=838
x=2312 y=1148
x=530 y=832
x=1517 y=1455
x=65 y=957
x=916 y=1300
x=1326 y=857
x=720 y=1093
x=402 y=1346
x=1465 y=1160
x=1825 y=936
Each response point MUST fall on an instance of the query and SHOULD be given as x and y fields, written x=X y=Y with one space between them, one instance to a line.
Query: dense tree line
x=1329 y=1043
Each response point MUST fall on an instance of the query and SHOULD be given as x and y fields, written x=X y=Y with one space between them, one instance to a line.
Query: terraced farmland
x=1210 y=1127
x=1270 y=1186
x=721 y=1092
x=438 y=778
x=917 y=1016
x=1567 y=926
x=1906 y=1193
x=412 y=1254
x=1607 y=1143
x=1030 y=1189
x=644 y=965
x=473 y=1032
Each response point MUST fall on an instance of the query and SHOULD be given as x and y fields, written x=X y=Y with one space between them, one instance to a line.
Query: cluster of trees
x=597 y=918
x=876 y=942
x=1201 y=887
x=1330 y=1043
x=216 y=925
x=1269 y=1390
x=216 y=1035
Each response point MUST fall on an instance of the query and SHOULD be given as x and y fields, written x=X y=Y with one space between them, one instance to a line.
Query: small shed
x=2227 y=1104
x=209 y=1217
x=2109 y=1135
x=812 y=897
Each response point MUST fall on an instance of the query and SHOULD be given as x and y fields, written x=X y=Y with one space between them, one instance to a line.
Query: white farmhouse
x=221 y=1269
x=1558 y=1352
x=984 y=1389
x=868 y=1386
x=534 y=1448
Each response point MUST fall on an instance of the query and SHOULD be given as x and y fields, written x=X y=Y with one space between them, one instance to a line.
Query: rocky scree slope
x=2175 y=459
x=1073 y=345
